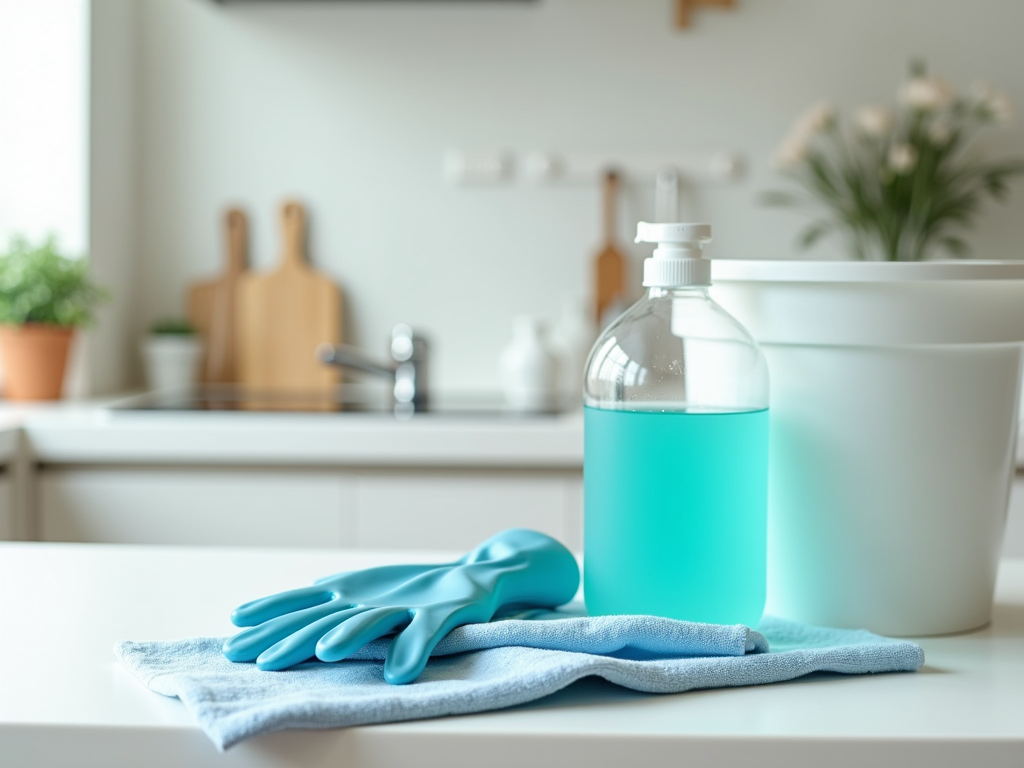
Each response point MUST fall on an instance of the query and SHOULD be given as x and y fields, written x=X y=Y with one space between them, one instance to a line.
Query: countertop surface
x=64 y=699
x=91 y=433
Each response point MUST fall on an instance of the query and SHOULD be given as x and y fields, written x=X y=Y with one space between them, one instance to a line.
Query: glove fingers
x=381 y=577
x=266 y=608
x=301 y=644
x=248 y=644
x=410 y=650
x=344 y=640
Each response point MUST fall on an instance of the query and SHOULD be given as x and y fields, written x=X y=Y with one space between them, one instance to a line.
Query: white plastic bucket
x=893 y=434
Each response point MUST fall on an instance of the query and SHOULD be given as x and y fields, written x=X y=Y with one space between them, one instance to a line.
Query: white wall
x=117 y=261
x=350 y=106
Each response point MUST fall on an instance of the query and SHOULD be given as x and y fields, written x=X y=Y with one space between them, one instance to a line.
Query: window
x=44 y=95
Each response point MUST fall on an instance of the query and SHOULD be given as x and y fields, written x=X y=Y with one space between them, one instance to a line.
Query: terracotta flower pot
x=34 y=357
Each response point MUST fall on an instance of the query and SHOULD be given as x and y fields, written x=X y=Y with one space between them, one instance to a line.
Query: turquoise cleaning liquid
x=675 y=520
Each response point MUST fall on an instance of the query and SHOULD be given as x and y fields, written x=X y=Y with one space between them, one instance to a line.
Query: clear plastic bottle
x=676 y=449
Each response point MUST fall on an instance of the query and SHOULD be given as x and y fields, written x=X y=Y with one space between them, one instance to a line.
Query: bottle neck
x=679 y=292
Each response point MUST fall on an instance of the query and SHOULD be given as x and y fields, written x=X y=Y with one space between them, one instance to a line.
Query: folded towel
x=481 y=667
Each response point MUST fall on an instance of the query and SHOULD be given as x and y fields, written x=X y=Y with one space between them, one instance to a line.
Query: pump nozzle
x=678 y=260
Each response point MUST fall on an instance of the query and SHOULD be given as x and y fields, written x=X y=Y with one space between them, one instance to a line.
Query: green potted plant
x=171 y=352
x=44 y=297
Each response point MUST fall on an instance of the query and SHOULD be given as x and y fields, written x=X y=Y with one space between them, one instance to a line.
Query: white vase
x=893 y=435
x=171 y=361
x=529 y=367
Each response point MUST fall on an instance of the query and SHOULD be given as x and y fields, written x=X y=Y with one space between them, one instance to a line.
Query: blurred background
x=410 y=130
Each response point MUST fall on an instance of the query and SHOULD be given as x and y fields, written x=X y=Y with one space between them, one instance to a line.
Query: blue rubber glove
x=331 y=620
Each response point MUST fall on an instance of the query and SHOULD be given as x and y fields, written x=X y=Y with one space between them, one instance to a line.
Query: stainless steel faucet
x=408 y=366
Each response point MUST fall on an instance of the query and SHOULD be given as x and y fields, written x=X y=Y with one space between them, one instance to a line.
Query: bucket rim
x=806 y=271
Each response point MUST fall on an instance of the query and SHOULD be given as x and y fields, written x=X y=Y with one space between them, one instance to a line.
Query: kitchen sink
x=349 y=399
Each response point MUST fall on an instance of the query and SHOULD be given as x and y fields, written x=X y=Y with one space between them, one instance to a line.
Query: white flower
x=795 y=146
x=992 y=103
x=814 y=120
x=927 y=94
x=902 y=158
x=874 y=121
x=790 y=153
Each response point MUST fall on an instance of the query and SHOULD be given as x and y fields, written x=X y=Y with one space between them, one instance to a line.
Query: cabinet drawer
x=194 y=506
x=457 y=510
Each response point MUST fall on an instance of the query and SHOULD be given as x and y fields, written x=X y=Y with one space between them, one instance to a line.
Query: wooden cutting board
x=211 y=305
x=282 y=316
x=610 y=263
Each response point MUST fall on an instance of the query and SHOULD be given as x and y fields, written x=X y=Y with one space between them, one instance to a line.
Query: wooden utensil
x=211 y=305
x=610 y=262
x=684 y=9
x=282 y=317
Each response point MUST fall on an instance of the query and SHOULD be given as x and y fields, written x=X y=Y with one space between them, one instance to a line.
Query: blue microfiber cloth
x=481 y=667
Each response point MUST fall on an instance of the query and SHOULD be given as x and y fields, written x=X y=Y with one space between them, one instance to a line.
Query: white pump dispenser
x=678 y=261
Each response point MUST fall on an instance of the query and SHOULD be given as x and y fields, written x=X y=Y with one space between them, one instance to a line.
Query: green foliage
x=900 y=182
x=172 y=327
x=40 y=285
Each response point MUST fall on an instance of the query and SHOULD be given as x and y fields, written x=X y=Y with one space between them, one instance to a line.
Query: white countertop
x=64 y=699
x=87 y=433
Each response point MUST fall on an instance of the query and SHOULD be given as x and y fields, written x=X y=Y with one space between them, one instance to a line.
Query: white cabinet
x=373 y=508
x=193 y=506
x=384 y=509
x=387 y=508
x=456 y=510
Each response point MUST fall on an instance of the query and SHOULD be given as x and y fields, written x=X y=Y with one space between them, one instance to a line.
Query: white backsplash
x=351 y=106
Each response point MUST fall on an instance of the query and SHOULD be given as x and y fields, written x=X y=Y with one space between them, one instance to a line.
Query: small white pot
x=172 y=361
x=893 y=434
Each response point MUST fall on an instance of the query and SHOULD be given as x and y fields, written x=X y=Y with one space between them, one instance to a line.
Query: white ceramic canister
x=893 y=434
x=172 y=360
x=529 y=367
